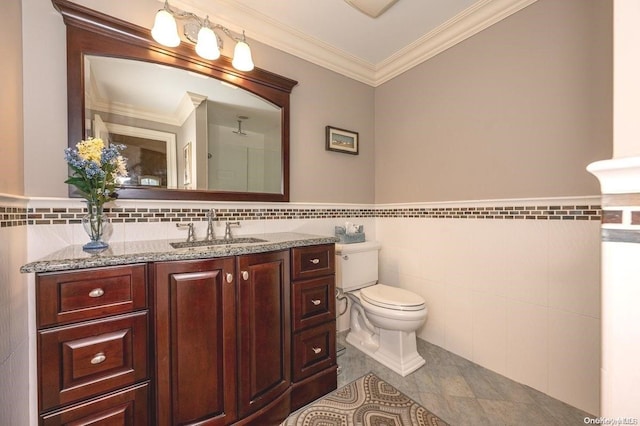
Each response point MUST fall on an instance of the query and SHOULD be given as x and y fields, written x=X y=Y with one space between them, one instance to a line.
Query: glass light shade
x=242 y=60
x=207 y=45
x=165 y=29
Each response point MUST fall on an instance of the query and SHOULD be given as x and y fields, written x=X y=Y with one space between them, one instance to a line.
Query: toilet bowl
x=383 y=319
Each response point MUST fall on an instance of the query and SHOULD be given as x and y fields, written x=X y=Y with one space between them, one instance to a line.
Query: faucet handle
x=210 y=215
x=227 y=229
x=190 y=234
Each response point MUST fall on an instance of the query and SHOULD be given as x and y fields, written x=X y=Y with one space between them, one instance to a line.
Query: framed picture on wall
x=186 y=180
x=341 y=140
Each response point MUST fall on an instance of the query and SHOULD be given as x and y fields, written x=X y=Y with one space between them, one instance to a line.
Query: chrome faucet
x=210 y=215
x=227 y=229
x=190 y=235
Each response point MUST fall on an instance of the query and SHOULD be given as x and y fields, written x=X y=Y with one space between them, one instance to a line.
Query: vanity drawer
x=314 y=350
x=90 y=293
x=128 y=407
x=314 y=302
x=313 y=261
x=84 y=360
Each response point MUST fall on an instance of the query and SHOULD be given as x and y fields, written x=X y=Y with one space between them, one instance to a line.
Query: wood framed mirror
x=194 y=129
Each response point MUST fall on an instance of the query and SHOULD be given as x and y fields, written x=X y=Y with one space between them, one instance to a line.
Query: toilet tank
x=356 y=265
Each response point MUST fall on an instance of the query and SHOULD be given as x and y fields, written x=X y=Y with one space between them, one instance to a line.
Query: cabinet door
x=264 y=331
x=195 y=321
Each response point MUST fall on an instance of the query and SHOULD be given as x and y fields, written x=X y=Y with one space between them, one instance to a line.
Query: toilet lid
x=392 y=298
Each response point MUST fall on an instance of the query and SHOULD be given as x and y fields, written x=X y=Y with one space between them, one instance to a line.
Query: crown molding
x=266 y=30
x=467 y=23
x=127 y=110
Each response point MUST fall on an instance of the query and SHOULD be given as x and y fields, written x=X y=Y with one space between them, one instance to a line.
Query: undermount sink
x=216 y=242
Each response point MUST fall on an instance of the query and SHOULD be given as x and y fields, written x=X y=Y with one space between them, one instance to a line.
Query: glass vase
x=94 y=224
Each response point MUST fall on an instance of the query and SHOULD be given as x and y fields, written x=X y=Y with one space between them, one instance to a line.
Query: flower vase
x=94 y=224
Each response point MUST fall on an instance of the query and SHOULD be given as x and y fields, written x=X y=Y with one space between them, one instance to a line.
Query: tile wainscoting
x=519 y=297
x=14 y=341
x=513 y=285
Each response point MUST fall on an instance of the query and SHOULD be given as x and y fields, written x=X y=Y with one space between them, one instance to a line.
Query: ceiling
x=335 y=35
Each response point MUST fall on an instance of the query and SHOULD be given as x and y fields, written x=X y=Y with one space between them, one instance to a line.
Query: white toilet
x=383 y=319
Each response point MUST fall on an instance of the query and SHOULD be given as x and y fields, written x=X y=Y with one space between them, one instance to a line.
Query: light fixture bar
x=202 y=32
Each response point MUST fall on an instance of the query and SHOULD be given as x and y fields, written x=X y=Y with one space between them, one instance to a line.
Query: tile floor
x=461 y=392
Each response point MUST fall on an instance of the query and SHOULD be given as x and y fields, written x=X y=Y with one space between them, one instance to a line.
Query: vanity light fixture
x=201 y=32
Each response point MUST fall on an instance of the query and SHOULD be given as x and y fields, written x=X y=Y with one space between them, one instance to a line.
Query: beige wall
x=14 y=342
x=321 y=98
x=324 y=98
x=11 y=152
x=519 y=110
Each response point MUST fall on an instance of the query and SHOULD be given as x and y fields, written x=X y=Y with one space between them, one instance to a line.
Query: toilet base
x=392 y=348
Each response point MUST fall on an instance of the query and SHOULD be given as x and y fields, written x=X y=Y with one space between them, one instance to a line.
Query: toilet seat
x=393 y=298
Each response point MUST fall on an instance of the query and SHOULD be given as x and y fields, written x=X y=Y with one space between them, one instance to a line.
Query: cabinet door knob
x=345 y=257
x=229 y=278
x=316 y=350
x=98 y=358
x=96 y=292
x=315 y=261
x=316 y=301
x=245 y=275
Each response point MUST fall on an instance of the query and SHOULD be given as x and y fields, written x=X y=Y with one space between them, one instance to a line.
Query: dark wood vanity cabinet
x=264 y=331
x=195 y=349
x=314 y=323
x=93 y=354
x=241 y=339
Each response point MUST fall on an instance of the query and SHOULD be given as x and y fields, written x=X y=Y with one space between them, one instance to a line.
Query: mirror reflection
x=183 y=130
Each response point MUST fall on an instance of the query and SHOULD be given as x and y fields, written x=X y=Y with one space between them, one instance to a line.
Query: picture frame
x=341 y=140
x=186 y=179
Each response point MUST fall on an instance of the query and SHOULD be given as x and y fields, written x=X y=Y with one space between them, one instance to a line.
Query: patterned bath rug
x=365 y=401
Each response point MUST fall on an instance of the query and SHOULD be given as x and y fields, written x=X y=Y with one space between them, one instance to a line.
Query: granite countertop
x=73 y=257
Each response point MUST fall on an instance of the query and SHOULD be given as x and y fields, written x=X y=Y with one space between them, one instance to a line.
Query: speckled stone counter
x=73 y=257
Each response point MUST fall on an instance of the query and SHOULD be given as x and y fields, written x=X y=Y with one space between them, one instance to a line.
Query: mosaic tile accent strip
x=12 y=216
x=612 y=216
x=63 y=216
x=559 y=212
x=621 y=209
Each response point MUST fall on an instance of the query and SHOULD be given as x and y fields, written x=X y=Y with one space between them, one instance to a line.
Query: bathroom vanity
x=147 y=334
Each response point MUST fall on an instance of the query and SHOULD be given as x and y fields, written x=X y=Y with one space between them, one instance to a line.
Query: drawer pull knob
x=316 y=301
x=245 y=275
x=229 y=278
x=316 y=350
x=315 y=261
x=98 y=358
x=96 y=292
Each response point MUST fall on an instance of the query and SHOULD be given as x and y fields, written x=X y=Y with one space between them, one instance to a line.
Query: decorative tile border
x=621 y=209
x=612 y=216
x=65 y=216
x=12 y=216
x=530 y=212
